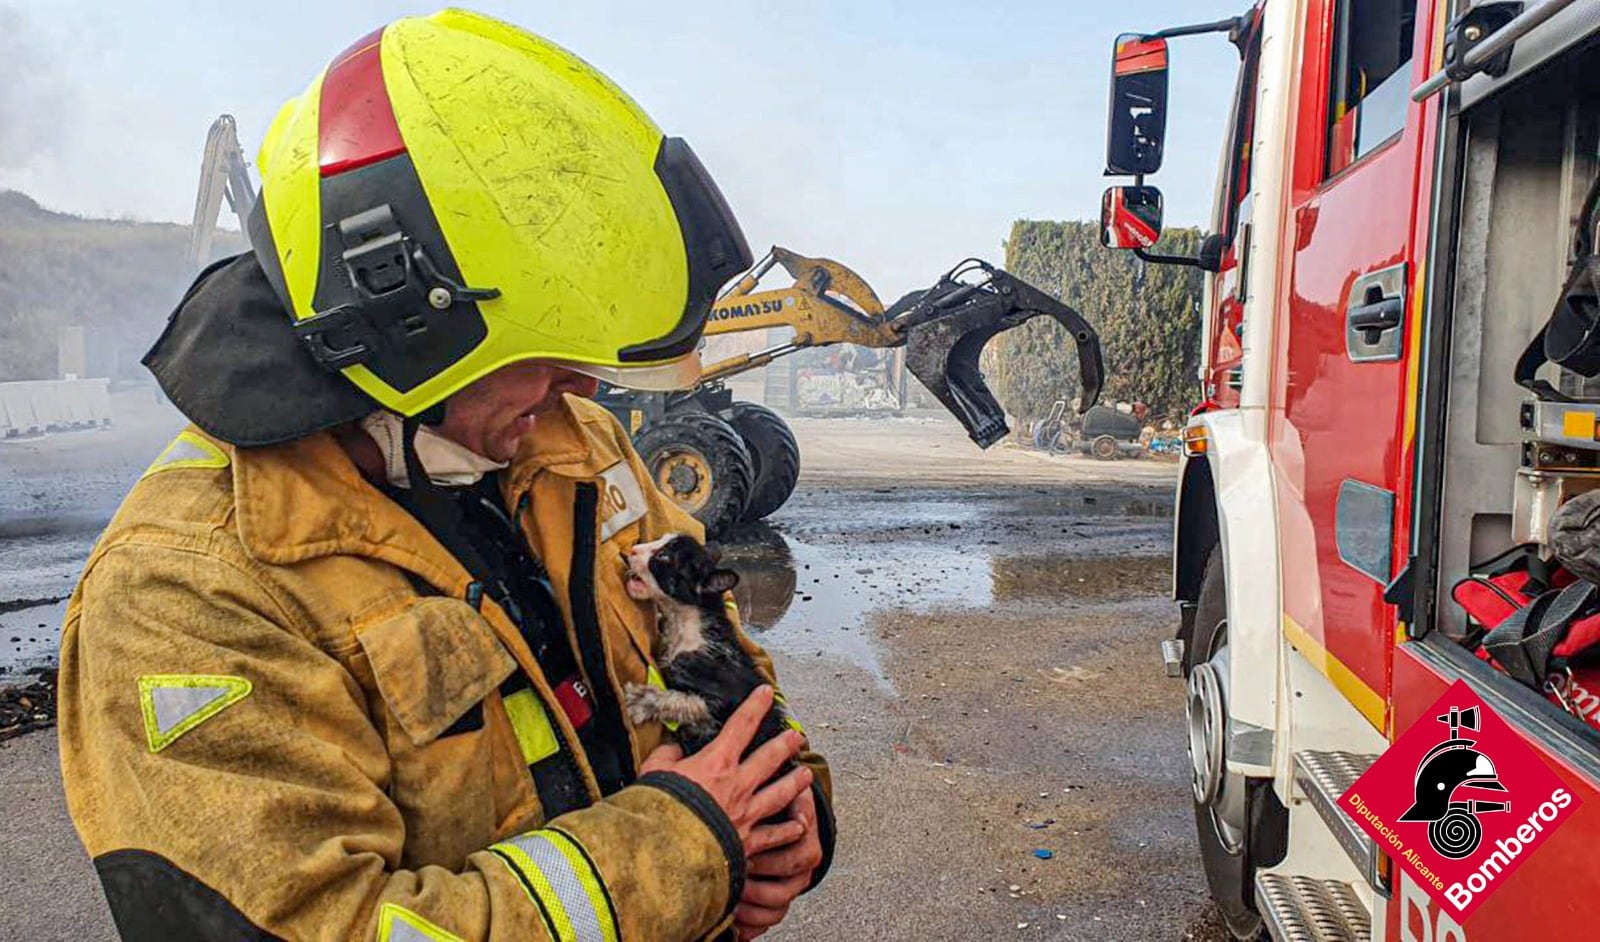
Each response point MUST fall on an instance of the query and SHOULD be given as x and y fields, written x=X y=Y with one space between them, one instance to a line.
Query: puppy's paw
x=643 y=702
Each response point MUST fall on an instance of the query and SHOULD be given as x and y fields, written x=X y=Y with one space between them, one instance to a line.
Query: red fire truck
x=1401 y=197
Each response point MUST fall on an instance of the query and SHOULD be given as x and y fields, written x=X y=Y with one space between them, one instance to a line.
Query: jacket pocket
x=433 y=662
x=436 y=665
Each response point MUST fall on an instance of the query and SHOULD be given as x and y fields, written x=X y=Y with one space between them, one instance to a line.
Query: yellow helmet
x=454 y=194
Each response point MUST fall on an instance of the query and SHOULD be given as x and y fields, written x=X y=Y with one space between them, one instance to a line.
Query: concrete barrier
x=38 y=406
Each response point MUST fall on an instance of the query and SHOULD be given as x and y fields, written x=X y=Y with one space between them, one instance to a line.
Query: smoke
x=36 y=95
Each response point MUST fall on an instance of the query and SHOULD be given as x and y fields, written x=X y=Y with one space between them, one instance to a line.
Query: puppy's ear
x=720 y=581
x=714 y=551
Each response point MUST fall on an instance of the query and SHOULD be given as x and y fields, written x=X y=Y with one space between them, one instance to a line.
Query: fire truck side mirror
x=1130 y=217
x=1138 y=121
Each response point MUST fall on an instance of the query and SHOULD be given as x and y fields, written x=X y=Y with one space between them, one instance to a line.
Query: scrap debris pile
x=28 y=707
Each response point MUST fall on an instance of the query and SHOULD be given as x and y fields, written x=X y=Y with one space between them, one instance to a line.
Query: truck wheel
x=1240 y=822
x=774 y=453
x=1104 y=448
x=701 y=463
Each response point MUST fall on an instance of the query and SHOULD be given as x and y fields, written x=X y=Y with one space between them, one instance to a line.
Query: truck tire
x=701 y=464
x=1104 y=448
x=1239 y=822
x=774 y=453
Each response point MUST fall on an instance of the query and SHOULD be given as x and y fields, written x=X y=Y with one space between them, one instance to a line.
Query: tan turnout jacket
x=264 y=672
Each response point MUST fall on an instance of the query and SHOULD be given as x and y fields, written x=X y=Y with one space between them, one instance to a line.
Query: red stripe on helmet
x=355 y=121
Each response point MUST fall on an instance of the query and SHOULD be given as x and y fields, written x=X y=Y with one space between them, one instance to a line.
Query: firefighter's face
x=493 y=414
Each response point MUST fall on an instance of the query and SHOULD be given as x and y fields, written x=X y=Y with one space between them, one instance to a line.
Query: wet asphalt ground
x=971 y=638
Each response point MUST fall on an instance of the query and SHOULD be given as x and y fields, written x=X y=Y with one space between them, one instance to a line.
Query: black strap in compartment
x=1570 y=337
x=1523 y=643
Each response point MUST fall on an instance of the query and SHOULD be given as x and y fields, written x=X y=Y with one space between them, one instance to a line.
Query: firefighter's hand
x=740 y=788
x=782 y=872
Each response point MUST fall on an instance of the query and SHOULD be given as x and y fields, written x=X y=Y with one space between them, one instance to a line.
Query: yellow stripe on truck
x=1343 y=678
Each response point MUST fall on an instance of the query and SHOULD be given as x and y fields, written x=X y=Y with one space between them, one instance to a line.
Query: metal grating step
x=1304 y=909
x=1322 y=777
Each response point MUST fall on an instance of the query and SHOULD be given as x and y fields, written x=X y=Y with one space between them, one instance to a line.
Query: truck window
x=1241 y=132
x=1369 y=78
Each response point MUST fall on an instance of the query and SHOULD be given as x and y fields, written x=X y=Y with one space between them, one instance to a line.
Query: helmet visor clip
x=395 y=293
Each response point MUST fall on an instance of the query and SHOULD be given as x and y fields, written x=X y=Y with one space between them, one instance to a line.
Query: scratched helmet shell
x=454 y=194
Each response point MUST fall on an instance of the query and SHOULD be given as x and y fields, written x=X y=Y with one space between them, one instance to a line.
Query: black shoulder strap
x=1527 y=370
x=1571 y=334
x=1523 y=643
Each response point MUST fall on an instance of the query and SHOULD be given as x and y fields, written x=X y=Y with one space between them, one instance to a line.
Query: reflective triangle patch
x=398 y=924
x=188 y=450
x=173 y=704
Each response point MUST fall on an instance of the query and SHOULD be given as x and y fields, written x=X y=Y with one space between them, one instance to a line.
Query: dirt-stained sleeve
x=225 y=777
x=667 y=517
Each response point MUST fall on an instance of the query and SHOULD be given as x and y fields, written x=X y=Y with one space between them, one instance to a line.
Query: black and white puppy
x=707 y=674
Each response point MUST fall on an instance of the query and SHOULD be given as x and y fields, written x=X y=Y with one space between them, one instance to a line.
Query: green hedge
x=1148 y=317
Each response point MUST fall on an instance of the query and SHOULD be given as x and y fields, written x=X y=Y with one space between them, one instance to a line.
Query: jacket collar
x=305 y=499
x=574 y=440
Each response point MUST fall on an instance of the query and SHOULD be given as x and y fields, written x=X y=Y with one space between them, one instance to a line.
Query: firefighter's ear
x=721 y=580
x=714 y=552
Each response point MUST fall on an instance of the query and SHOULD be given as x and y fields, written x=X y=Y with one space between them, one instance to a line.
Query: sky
x=896 y=137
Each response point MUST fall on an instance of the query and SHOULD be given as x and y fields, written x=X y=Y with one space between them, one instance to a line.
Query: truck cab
x=1397 y=212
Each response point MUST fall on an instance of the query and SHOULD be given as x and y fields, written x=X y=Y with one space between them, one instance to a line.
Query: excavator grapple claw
x=947 y=327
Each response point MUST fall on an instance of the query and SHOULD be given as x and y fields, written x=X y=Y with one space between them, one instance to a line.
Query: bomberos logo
x=1459 y=801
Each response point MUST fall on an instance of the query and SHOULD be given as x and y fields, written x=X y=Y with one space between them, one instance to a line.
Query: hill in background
x=117 y=279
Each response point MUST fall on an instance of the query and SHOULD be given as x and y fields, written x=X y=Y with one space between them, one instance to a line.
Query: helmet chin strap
x=434 y=508
x=446 y=463
x=419 y=481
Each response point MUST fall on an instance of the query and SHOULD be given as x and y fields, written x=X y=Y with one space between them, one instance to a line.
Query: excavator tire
x=774 y=452
x=701 y=464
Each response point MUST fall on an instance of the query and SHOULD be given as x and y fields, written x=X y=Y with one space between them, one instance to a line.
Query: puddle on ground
x=811 y=600
x=36 y=575
x=1145 y=508
x=29 y=637
x=1055 y=576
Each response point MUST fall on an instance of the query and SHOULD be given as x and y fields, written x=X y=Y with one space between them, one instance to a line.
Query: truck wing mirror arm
x=1209 y=258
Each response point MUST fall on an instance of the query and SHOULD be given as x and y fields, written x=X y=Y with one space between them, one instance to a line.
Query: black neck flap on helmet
x=229 y=364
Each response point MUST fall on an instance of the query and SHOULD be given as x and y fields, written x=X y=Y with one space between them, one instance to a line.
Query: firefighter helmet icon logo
x=1453 y=827
x=1422 y=801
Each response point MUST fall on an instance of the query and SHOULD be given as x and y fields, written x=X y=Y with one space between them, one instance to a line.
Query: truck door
x=1222 y=371
x=1339 y=371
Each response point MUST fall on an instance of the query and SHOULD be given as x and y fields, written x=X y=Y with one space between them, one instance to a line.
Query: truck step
x=1305 y=909
x=1172 y=656
x=1322 y=777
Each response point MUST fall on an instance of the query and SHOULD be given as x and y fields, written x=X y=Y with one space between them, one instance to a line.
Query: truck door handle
x=1375 y=317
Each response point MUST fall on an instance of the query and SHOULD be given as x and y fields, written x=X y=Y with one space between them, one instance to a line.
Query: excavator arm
x=825 y=304
x=223 y=174
x=947 y=327
x=944 y=328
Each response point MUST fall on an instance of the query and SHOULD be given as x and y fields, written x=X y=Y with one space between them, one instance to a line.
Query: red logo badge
x=1459 y=801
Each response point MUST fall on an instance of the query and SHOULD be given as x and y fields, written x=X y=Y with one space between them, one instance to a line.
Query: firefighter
x=348 y=662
